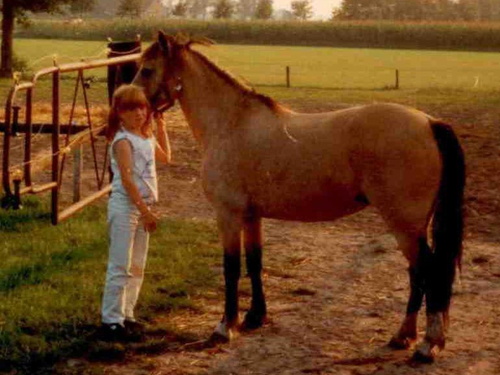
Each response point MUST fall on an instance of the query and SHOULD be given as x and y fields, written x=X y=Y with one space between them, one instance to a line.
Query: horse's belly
x=312 y=207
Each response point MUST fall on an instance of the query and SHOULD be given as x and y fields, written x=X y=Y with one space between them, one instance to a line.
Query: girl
x=133 y=152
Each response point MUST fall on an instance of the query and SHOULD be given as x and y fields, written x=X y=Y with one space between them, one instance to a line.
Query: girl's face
x=133 y=119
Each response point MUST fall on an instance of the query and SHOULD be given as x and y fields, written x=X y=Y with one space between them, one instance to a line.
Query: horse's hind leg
x=438 y=296
x=418 y=253
x=256 y=316
x=423 y=281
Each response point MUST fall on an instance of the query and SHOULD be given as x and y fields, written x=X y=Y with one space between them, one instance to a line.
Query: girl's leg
x=136 y=270
x=122 y=227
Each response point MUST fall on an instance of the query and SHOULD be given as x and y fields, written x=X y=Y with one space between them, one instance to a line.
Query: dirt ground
x=337 y=292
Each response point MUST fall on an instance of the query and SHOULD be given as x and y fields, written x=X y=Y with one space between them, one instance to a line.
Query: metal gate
x=14 y=178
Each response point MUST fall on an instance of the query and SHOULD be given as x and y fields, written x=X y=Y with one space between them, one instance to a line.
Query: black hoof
x=425 y=352
x=422 y=358
x=399 y=343
x=253 y=321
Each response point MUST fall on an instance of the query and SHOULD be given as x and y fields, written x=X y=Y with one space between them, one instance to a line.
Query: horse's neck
x=209 y=103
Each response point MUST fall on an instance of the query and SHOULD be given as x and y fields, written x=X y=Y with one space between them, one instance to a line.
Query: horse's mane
x=235 y=82
x=182 y=42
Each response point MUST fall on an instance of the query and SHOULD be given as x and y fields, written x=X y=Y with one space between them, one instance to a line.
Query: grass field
x=51 y=281
x=318 y=67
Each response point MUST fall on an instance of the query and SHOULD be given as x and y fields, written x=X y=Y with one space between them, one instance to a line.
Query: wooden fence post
x=55 y=145
x=288 y=76
x=397 y=80
x=77 y=172
x=17 y=195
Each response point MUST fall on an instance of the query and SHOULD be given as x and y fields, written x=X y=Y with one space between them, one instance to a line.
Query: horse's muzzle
x=161 y=102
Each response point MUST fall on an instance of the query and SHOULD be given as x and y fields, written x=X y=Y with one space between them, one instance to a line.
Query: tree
x=360 y=9
x=468 y=10
x=302 y=9
x=488 y=10
x=82 y=7
x=17 y=9
x=246 y=8
x=223 y=9
x=105 y=8
x=264 y=9
x=181 y=8
x=413 y=10
x=198 y=8
x=419 y=10
x=131 y=8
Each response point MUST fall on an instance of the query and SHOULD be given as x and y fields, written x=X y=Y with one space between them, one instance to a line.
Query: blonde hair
x=127 y=97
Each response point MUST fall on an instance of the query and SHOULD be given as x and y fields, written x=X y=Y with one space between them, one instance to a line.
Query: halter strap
x=163 y=88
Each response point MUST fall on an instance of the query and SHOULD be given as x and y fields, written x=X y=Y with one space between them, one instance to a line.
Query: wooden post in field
x=397 y=80
x=77 y=172
x=288 y=76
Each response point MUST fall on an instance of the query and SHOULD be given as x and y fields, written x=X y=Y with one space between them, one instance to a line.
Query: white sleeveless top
x=144 y=170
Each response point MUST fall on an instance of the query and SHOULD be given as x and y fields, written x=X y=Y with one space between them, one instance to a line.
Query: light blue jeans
x=127 y=259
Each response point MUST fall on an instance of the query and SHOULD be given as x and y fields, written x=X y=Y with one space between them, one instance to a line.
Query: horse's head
x=156 y=74
x=159 y=69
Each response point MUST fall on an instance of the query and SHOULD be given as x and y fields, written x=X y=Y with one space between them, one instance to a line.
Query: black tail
x=448 y=219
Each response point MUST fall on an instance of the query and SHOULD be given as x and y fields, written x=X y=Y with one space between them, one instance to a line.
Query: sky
x=322 y=8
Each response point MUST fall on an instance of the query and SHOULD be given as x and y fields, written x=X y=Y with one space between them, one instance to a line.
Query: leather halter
x=164 y=89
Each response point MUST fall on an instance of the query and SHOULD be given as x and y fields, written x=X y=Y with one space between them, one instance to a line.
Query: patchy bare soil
x=336 y=292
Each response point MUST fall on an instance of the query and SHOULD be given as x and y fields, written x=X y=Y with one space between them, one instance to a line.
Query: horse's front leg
x=230 y=233
x=252 y=231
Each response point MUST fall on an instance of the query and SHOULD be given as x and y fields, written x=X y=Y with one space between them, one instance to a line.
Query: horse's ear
x=165 y=43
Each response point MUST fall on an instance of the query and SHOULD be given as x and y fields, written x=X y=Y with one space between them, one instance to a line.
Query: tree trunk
x=7 y=34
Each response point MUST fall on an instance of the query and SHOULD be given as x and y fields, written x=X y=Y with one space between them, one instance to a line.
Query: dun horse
x=261 y=160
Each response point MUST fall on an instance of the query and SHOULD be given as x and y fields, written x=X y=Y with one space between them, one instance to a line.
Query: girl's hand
x=150 y=221
x=158 y=117
x=162 y=150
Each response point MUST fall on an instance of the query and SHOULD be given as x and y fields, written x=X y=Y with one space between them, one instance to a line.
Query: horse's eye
x=146 y=73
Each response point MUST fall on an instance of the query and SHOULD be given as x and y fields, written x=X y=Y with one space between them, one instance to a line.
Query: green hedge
x=447 y=36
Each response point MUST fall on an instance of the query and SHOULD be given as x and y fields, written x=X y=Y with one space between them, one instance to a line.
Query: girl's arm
x=162 y=150
x=123 y=155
